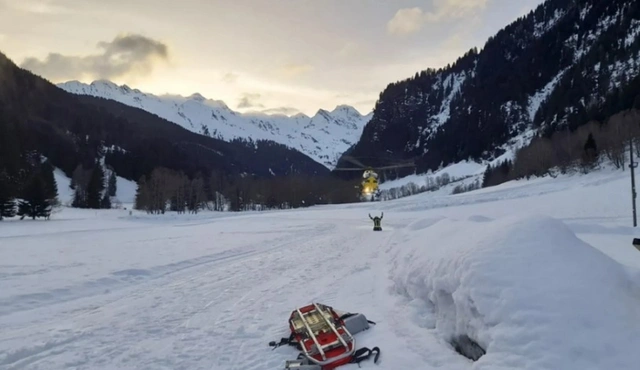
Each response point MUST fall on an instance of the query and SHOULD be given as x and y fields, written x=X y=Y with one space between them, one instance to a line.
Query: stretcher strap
x=360 y=355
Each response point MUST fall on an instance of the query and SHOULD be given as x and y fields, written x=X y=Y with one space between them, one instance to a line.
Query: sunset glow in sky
x=268 y=55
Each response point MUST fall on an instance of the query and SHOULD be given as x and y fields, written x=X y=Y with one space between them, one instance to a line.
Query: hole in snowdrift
x=467 y=347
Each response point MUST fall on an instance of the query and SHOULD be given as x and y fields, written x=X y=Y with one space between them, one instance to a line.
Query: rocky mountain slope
x=323 y=137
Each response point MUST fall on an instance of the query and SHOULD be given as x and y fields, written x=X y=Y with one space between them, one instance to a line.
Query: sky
x=274 y=56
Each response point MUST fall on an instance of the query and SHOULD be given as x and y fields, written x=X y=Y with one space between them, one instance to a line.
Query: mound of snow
x=526 y=289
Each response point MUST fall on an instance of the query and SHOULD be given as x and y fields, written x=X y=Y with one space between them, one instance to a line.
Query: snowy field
x=540 y=273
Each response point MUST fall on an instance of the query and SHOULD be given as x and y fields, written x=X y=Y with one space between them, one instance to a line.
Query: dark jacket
x=377 y=220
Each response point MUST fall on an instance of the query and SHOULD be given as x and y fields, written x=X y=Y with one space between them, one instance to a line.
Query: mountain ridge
x=323 y=136
x=556 y=68
x=75 y=131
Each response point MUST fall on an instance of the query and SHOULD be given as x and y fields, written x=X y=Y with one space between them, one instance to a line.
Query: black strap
x=290 y=341
x=363 y=354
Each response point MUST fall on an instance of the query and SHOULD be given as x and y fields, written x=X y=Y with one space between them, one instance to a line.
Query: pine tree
x=34 y=201
x=80 y=178
x=50 y=184
x=7 y=207
x=7 y=202
x=105 y=202
x=487 y=176
x=95 y=187
x=589 y=154
x=141 y=200
x=79 y=198
x=112 y=186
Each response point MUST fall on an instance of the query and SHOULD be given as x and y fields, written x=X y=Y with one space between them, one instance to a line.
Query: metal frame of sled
x=325 y=338
x=312 y=315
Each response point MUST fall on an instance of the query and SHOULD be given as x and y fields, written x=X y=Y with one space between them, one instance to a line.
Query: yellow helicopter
x=369 y=189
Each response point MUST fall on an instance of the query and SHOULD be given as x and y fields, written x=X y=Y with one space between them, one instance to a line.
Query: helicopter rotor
x=364 y=167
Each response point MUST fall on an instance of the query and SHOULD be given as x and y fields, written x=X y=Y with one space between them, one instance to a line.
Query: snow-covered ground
x=464 y=172
x=461 y=170
x=540 y=273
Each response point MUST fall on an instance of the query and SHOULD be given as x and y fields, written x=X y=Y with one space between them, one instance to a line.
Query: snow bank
x=531 y=293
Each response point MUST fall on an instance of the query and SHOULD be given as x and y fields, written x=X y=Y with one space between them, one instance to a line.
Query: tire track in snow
x=176 y=322
x=124 y=279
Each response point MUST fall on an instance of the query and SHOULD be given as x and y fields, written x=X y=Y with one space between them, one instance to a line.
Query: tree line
x=170 y=190
x=568 y=151
x=93 y=187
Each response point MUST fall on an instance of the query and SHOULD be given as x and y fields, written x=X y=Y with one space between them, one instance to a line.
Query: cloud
x=230 y=77
x=125 y=55
x=250 y=100
x=50 y=7
x=406 y=22
x=410 y=20
x=349 y=49
x=288 y=111
x=294 y=69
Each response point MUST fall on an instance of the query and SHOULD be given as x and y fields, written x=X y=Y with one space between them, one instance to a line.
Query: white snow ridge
x=323 y=137
x=535 y=275
x=525 y=288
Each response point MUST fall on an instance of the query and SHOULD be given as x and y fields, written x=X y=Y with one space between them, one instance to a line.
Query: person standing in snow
x=376 y=222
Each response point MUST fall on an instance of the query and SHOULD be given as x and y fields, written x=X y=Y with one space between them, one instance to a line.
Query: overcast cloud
x=130 y=56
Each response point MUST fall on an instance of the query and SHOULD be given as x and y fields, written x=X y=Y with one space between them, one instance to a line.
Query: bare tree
x=79 y=182
x=196 y=197
x=614 y=134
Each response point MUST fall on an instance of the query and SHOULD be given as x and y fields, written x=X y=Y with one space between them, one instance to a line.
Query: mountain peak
x=300 y=116
x=345 y=108
x=322 y=137
x=197 y=96
x=104 y=83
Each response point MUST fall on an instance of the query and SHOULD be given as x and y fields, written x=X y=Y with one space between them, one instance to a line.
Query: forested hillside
x=42 y=127
x=565 y=64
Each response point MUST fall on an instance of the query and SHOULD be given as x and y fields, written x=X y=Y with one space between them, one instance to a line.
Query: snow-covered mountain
x=323 y=137
x=562 y=65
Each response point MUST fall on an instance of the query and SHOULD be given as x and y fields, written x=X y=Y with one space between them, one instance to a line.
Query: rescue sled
x=325 y=338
